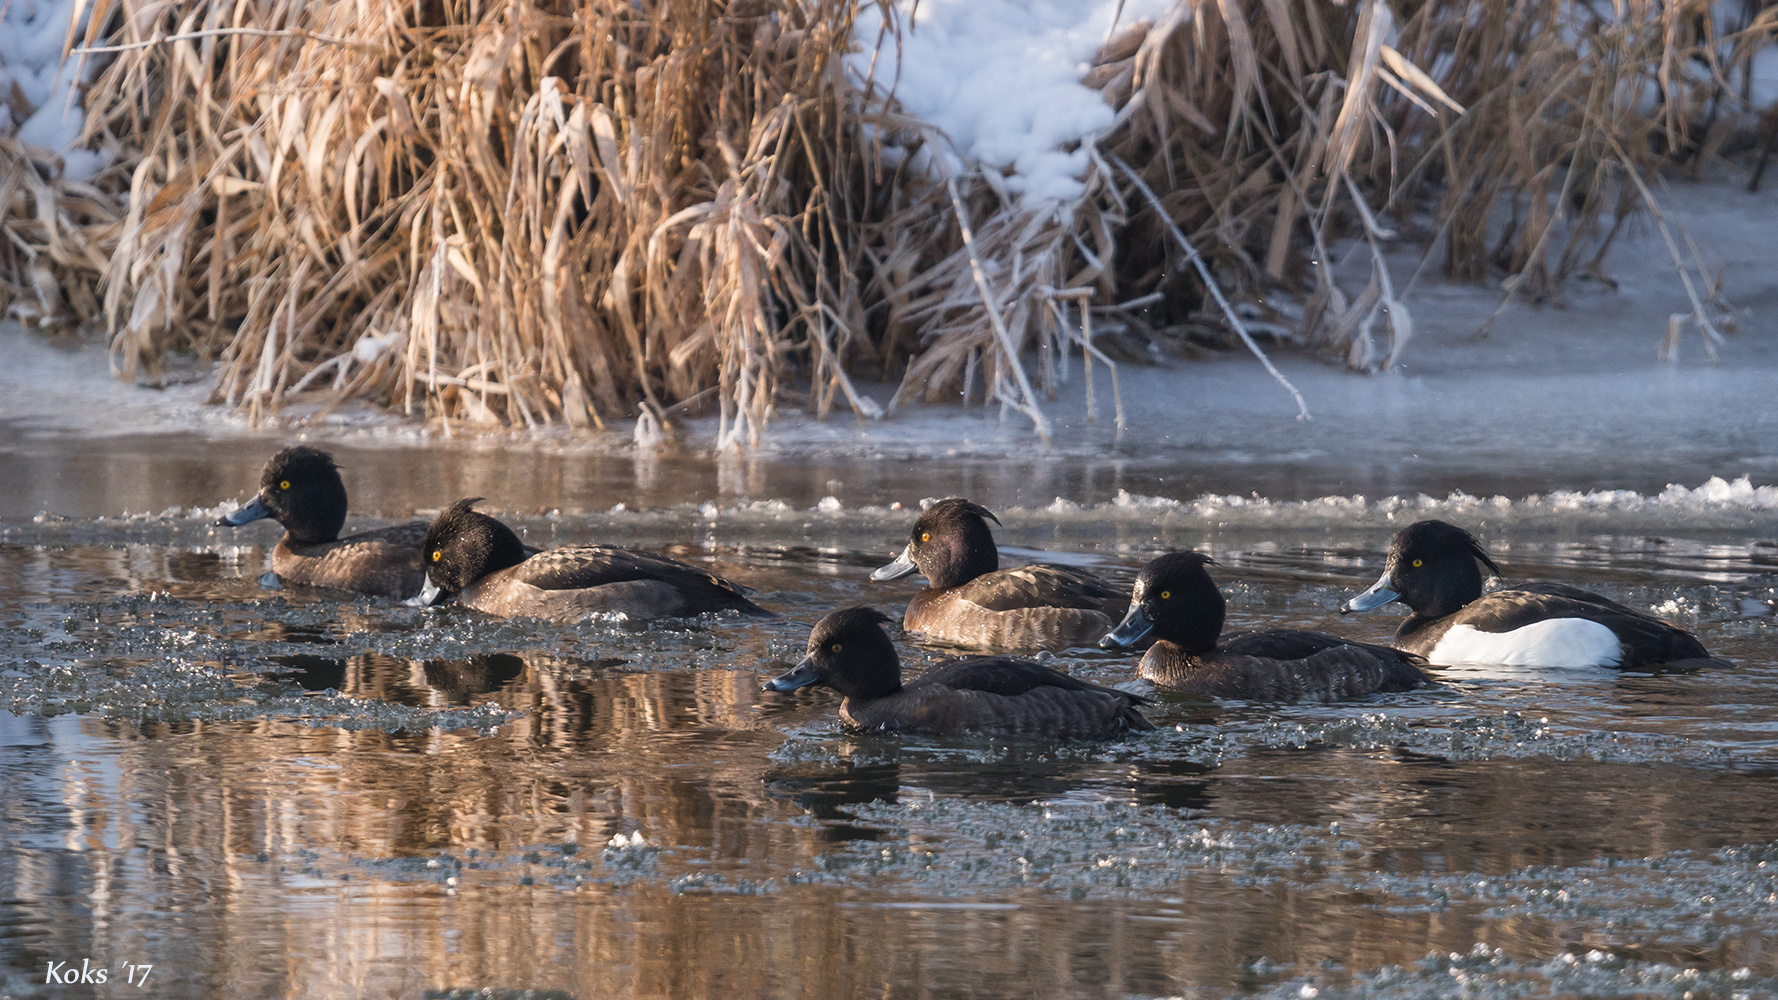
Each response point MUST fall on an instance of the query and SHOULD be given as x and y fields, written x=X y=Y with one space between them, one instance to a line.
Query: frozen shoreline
x=1567 y=395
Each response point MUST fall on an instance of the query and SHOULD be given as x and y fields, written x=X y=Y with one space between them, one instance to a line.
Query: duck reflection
x=824 y=792
x=824 y=796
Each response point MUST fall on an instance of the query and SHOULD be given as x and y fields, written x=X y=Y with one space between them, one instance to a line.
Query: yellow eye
x=835 y=647
x=284 y=485
x=437 y=555
x=925 y=536
x=1416 y=564
x=1165 y=594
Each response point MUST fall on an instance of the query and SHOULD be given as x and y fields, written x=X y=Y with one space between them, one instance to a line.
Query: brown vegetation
x=587 y=210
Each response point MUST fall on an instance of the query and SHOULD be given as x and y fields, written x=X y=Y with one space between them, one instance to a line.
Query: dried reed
x=519 y=213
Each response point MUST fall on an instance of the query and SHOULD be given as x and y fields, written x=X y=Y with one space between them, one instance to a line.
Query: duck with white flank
x=1432 y=568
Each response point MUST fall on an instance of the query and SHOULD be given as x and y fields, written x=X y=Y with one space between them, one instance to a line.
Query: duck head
x=1431 y=567
x=849 y=652
x=300 y=489
x=462 y=546
x=1174 y=599
x=950 y=543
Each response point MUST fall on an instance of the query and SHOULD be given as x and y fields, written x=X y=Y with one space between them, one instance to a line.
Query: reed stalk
x=520 y=213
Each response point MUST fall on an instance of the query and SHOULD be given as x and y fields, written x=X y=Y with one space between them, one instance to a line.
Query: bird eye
x=1165 y=594
x=1416 y=564
x=284 y=485
x=437 y=555
x=835 y=647
x=925 y=536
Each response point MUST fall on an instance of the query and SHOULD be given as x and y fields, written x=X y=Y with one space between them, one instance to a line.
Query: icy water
x=293 y=794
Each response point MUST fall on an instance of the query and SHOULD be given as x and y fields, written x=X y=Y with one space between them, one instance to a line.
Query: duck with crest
x=970 y=601
x=999 y=695
x=1177 y=603
x=1432 y=567
x=480 y=562
x=301 y=490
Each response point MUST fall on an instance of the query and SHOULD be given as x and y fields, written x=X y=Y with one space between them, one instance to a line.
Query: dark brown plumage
x=970 y=601
x=1176 y=601
x=484 y=565
x=301 y=489
x=849 y=652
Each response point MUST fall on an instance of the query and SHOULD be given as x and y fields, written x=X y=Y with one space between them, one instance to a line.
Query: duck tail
x=1133 y=720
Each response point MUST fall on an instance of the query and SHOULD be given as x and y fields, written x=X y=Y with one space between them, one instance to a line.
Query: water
x=284 y=793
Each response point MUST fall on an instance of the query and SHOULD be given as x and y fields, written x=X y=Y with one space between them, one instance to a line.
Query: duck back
x=576 y=581
x=383 y=563
x=1028 y=607
x=1000 y=695
x=1283 y=665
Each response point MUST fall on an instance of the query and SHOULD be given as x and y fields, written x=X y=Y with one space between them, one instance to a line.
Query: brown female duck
x=301 y=490
x=1176 y=601
x=480 y=562
x=849 y=652
x=969 y=600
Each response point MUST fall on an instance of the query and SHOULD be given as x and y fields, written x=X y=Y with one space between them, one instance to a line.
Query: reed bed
x=519 y=213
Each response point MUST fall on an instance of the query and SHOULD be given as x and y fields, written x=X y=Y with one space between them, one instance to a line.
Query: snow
x=1562 y=411
x=32 y=34
x=1001 y=79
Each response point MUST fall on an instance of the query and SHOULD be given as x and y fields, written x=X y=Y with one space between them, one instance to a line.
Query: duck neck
x=1449 y=592
x=504 y=550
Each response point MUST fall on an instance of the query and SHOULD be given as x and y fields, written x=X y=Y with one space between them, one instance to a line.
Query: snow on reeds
x=505 y=212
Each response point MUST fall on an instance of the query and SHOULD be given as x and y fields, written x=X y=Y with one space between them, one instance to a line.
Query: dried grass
x=513 y=213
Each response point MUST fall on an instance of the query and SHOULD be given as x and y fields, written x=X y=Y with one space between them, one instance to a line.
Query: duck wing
x=583 y=567
x=1000 y=694
x=1006 y=675
x=1645 y=638
x=411 y=535
x=1041 y=585
x=1286 y=665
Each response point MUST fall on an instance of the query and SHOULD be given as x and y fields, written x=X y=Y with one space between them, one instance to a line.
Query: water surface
x=265 y=792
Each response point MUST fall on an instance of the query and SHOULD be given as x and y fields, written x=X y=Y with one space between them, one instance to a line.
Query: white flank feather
x=1557 y=642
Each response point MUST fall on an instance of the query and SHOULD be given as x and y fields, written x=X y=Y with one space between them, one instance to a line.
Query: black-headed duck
x=301 y=490
x=480 y=562
x=1176 y=602
x=1432 y=567
x=849 y=652
x=970 y=601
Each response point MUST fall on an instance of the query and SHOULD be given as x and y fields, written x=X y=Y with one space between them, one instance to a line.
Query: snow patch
x=1001 y=79
x=32 y=33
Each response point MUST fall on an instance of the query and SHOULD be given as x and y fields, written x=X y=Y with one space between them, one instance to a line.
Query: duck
x=1176 y=603
x=480 y=562
x=301 y=489
x=970 y=601
x=996 y=695
x=1434 y=568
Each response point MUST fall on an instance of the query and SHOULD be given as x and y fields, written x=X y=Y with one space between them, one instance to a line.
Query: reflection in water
x=169 y=816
